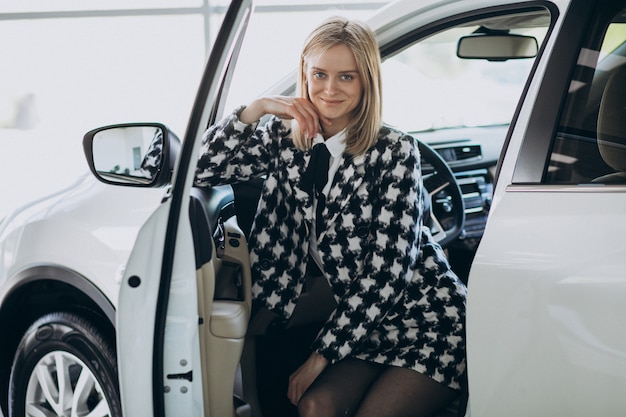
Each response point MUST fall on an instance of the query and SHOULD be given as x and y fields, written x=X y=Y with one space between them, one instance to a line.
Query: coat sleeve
x=391 y=251
x=233 y=151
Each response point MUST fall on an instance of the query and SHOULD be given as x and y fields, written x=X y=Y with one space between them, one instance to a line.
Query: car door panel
x=137 y=309
x=552 y=315
x=224 y=292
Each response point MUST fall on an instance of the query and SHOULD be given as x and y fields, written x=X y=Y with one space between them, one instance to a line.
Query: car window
x=590 y=143
x=428 y=87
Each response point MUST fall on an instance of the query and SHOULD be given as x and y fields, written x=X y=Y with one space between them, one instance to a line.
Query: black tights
x=358 y=388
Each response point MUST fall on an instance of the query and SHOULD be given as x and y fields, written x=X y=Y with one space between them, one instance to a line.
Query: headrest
x=612 y=121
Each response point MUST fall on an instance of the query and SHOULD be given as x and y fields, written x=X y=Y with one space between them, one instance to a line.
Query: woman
x=394 y=345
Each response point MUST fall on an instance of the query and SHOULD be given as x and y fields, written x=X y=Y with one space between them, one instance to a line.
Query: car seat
x=612 y=127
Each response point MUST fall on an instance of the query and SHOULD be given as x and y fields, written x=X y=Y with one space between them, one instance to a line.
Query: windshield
x=427 y=87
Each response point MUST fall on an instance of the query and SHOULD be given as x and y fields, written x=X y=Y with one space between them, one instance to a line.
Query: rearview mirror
x=140 y=155
x=500 y=47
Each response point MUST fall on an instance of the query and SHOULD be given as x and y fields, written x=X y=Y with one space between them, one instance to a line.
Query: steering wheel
x=446 y=208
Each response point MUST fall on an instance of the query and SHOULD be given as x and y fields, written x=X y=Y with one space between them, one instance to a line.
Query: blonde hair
x=363 y=131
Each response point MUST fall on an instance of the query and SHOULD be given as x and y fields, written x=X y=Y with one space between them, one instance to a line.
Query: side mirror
x=137 y=155
x=499 y=47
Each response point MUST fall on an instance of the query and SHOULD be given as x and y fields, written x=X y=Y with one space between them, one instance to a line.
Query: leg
x=401 y=392
x=279 y=353
x=339 y=389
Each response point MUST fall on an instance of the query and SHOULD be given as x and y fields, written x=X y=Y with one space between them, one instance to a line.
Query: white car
x=131 y=295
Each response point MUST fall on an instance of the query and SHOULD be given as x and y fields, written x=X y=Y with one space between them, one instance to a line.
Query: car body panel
x=552 y=313
x=88 y=218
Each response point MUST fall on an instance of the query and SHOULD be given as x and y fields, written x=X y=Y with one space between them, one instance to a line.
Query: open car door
x=178 y=350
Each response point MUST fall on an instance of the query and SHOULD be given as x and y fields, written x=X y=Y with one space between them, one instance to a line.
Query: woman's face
x=335 y=86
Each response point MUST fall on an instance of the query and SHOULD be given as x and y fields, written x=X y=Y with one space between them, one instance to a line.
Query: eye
x=319 y=75
x=347 y=77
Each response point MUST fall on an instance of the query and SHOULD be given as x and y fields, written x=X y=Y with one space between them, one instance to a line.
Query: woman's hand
x=287 y=108
x=304 y=376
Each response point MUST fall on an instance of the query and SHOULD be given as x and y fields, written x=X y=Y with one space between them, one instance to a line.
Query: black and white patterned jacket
x=370 y=246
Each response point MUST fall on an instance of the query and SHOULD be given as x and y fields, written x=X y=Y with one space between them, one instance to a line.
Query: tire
x=64 y=366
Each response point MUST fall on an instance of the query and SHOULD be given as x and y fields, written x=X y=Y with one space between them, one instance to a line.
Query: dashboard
x=472 y=154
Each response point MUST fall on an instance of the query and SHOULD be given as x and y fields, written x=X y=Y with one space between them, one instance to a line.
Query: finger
x=317 y=117
x=298 y=108
x=309 y=117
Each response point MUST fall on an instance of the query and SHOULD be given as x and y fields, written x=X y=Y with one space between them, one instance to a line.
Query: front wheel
x=64 y=367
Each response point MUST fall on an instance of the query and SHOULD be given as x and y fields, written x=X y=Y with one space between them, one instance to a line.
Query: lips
x=331 y=102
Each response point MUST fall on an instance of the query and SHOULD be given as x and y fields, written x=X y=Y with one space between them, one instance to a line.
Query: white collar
x=336 y=144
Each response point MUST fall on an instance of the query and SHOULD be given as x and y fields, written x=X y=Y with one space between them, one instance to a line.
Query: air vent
x=460 y=153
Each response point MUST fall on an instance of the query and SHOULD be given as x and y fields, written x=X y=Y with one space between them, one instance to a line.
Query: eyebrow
x=340 y=72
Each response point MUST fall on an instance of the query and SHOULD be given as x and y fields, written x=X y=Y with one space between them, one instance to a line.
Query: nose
x=331 y=85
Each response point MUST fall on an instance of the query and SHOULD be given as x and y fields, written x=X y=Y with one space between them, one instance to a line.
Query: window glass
x=428 y=87
x=589 y=146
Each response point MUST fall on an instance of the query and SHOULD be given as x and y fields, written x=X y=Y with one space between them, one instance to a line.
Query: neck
x=331 y=130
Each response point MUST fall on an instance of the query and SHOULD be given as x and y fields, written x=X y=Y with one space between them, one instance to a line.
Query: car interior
x=612 y=127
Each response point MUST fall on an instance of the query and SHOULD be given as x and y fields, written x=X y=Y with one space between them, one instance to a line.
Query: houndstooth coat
x=398 y=302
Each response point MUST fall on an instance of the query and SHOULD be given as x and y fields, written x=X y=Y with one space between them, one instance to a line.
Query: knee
x=317 y=406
